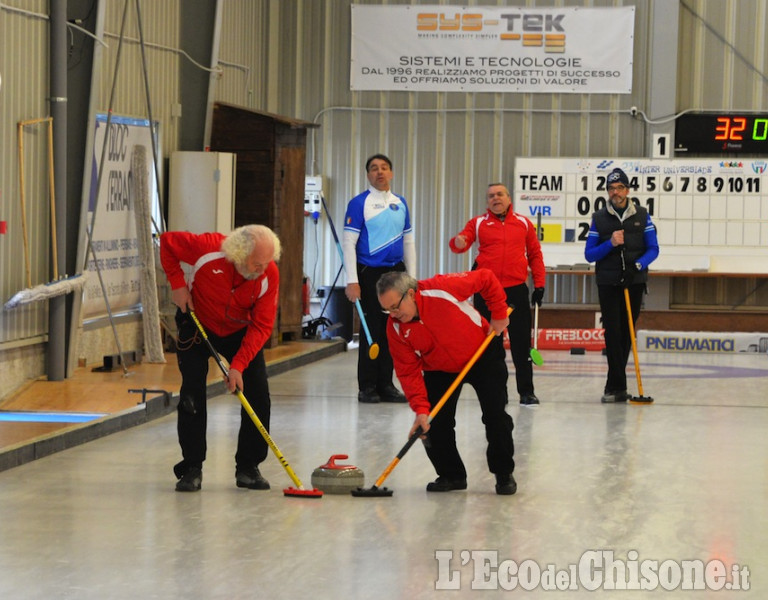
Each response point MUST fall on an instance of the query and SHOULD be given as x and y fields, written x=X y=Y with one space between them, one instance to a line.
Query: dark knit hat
x=617 y=176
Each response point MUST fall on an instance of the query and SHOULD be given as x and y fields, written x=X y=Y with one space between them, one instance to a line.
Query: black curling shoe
x=190 y=481
x=251 y=478
x=505 y=485
x=441 y=484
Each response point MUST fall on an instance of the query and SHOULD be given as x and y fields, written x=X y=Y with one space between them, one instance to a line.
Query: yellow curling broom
x=299 y=490
x=641 y=399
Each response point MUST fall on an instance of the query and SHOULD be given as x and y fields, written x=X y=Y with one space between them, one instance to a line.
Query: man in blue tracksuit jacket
x=378 y=238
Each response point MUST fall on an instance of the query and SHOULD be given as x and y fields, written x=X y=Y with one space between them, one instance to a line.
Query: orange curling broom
x=299 y=490
x=641 y=399
x=376 y=490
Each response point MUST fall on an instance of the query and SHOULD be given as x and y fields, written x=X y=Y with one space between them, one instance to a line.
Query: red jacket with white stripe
x=508 y=247
x=224 y=300
x=447 y=331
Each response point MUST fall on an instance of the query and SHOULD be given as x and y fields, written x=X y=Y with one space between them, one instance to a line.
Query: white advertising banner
x=440 y=48
x=703 y=342
x=115 y=246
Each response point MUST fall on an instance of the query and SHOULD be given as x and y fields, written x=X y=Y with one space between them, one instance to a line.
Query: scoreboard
x=710 y=214
x=722 y=133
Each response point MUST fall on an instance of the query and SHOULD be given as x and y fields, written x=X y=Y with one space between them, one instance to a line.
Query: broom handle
x=247 y=406
x=470 y=363
x=416 y=434
x=358 y=306
x=634 y=341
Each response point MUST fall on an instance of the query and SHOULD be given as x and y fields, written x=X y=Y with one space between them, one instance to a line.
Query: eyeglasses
x=617 y=188
x=396 y=307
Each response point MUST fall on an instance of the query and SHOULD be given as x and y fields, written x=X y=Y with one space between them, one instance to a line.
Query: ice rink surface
x=606 y=494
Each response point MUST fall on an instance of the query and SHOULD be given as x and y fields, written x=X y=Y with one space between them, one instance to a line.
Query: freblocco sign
x=565 y=339
x=441 y=48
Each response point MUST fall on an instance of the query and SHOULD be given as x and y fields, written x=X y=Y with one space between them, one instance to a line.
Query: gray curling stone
x=337 y=479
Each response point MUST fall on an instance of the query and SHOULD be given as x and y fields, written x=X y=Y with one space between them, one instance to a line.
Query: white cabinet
x=202 y=192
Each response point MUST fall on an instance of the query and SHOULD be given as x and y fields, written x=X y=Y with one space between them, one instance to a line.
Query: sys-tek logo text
x=531 y=29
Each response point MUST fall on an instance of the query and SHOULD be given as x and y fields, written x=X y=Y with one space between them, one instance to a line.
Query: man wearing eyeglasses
x=622 y=243
x=508 y=246
x=378 y=238
x=433 y=332
x=233 y=288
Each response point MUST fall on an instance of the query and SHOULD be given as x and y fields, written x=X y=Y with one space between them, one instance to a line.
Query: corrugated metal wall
x=23 y=96
x=24 y=59
x=723 y=55
x=446 y=147
x=292 y=57
x=160 y=26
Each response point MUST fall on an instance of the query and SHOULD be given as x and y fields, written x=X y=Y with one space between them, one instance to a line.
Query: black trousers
x=489 y=379
x=374 y=374
x=192 y=355
x=519 y=331
x=618 y=341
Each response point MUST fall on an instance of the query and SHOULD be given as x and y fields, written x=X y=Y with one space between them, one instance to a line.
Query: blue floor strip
x=47 y=417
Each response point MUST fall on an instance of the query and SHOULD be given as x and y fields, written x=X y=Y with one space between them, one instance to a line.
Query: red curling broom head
x=302 y=493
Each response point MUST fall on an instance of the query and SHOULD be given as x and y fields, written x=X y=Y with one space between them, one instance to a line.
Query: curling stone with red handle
x=332 y=478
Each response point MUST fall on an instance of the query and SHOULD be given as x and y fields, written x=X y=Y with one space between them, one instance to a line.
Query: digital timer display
x=713 y=133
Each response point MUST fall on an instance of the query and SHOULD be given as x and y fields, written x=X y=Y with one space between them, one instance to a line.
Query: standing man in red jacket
x=508 y=246
x=232 y=287
x=433 y=331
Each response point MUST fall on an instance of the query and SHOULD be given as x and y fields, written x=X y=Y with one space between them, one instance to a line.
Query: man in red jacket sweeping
x=509 y=247
x=232 y=287
x=433 y=331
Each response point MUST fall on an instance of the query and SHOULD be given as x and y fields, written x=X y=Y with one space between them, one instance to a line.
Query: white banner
x=703 y=342
x=438 y=48
x=114 y=232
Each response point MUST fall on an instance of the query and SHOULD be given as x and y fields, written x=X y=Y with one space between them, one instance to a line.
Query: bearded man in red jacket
x=232 y=287
x=433 y=332
x=508 y=246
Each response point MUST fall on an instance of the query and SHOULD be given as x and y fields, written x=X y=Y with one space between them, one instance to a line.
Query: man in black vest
x=622 y=243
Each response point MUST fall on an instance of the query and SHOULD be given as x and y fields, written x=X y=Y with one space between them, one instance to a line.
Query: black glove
x=537 y=296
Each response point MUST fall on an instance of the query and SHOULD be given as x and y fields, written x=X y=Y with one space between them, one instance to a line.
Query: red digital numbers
x=712 y=133
x=730 y=128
